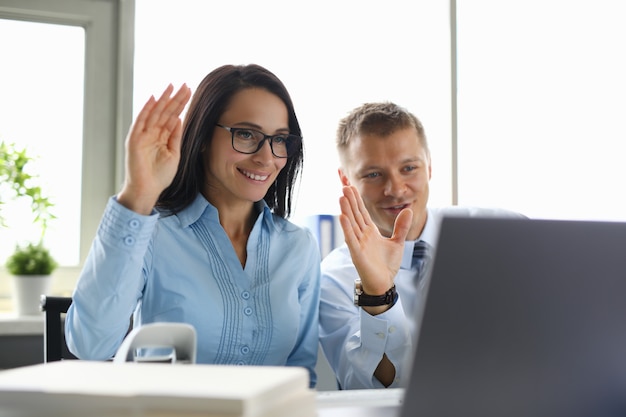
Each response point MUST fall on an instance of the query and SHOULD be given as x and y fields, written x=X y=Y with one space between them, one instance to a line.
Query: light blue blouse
x=183 y=268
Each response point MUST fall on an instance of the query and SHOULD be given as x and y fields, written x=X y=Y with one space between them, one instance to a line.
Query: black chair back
x=55 y=348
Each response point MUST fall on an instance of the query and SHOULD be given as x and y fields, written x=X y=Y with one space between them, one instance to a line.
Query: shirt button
x=392 y=329
x=133 y=223
x=245 y=295
x=245 y=350
x=247 y=311
x=129 y=240
x=380 y=335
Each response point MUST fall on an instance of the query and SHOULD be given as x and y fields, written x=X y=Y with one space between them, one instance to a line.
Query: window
x=332 y=56
x=42 y=108
x=541 y=107
x=539 y=100
x=82 y=150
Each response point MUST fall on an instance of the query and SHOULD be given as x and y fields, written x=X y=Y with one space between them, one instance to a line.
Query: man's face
x=391 y=173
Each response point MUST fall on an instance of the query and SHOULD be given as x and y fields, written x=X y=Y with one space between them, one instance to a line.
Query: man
x=385 y=168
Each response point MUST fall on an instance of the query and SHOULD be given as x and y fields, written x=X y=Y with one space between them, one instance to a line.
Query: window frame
x=108 y=100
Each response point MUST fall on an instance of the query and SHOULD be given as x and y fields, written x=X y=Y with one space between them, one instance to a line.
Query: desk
x=360 y=403
x=68 y=388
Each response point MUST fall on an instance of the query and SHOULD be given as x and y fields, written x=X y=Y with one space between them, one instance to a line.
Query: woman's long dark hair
x=207 y=105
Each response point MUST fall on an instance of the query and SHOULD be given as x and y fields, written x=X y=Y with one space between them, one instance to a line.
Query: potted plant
x=31 y=264
x=31 y=259
x=31 y=267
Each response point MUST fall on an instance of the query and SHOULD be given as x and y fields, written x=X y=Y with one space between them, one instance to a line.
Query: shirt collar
x=431 y=229
x=429 y=235
x=201 y=207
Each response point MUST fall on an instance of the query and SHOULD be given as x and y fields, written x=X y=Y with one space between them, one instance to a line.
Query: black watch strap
x=366 y=300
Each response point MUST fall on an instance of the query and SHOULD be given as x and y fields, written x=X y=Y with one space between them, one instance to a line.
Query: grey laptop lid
x=523 y=318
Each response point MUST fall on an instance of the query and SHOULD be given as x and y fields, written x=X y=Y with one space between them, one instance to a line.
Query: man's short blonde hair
x=380 y=119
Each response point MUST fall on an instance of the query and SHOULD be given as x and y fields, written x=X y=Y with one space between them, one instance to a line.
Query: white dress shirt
x=354 y=341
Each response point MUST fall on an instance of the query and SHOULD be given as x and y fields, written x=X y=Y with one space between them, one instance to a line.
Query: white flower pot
x=27 y=291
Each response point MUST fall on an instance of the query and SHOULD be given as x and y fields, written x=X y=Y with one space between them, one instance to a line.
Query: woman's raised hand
x=153 y=150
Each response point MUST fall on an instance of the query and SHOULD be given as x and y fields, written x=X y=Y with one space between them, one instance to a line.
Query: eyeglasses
x=249 y=141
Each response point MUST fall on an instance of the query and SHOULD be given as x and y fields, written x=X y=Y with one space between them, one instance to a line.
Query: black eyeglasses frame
x=291 y=146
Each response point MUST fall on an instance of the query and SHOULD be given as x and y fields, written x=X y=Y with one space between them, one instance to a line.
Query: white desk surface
x=13 y=325
x=360 y=403
x=70 y=388
x=183 y=388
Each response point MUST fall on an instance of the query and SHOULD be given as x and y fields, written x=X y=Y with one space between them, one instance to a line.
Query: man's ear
x=343 y=177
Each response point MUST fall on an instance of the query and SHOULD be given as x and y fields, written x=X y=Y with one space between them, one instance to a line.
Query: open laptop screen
x=523 y=318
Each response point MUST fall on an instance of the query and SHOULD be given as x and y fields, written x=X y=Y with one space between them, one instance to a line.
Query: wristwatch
x=362 y=299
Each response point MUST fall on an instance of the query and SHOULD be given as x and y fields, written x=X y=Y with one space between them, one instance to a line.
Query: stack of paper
x=104 y=389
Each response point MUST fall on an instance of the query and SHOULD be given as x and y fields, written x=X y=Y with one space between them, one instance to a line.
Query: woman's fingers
x=174 y=107
x=171 y=130
x=163 y=113
x=142 y=117
x=157 y=110
x=159 y=120
x=176 y=137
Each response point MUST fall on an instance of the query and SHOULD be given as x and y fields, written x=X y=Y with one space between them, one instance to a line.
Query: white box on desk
x=99 y=389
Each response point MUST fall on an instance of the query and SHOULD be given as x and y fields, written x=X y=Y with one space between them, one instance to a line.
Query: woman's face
x=232 y=176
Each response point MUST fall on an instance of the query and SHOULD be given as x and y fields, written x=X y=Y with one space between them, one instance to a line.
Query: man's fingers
x=402 y=225
x=361 y=206
x=349 y=207
x=356 y=209
x=348 y=231
x=348 y=214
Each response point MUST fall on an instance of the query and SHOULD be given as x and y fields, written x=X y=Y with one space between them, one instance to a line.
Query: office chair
x=180 y=336
x=55 y=348
x=177 y=340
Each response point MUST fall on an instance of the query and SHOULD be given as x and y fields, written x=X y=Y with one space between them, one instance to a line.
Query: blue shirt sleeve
x=110 y=284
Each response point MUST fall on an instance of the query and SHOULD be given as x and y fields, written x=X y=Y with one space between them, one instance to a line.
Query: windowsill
x=64 y=280
x=63 y=283
x=13 y=325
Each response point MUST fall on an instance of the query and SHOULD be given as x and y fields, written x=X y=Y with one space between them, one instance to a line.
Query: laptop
x=523 y=318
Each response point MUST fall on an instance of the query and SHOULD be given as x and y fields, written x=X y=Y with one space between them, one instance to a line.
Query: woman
x=198 y=233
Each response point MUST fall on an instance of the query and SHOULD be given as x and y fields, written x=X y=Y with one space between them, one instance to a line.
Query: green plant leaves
x=15 y=180
x=32 y=259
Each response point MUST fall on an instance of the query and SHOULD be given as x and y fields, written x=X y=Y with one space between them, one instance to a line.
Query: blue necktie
x=421 y=258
